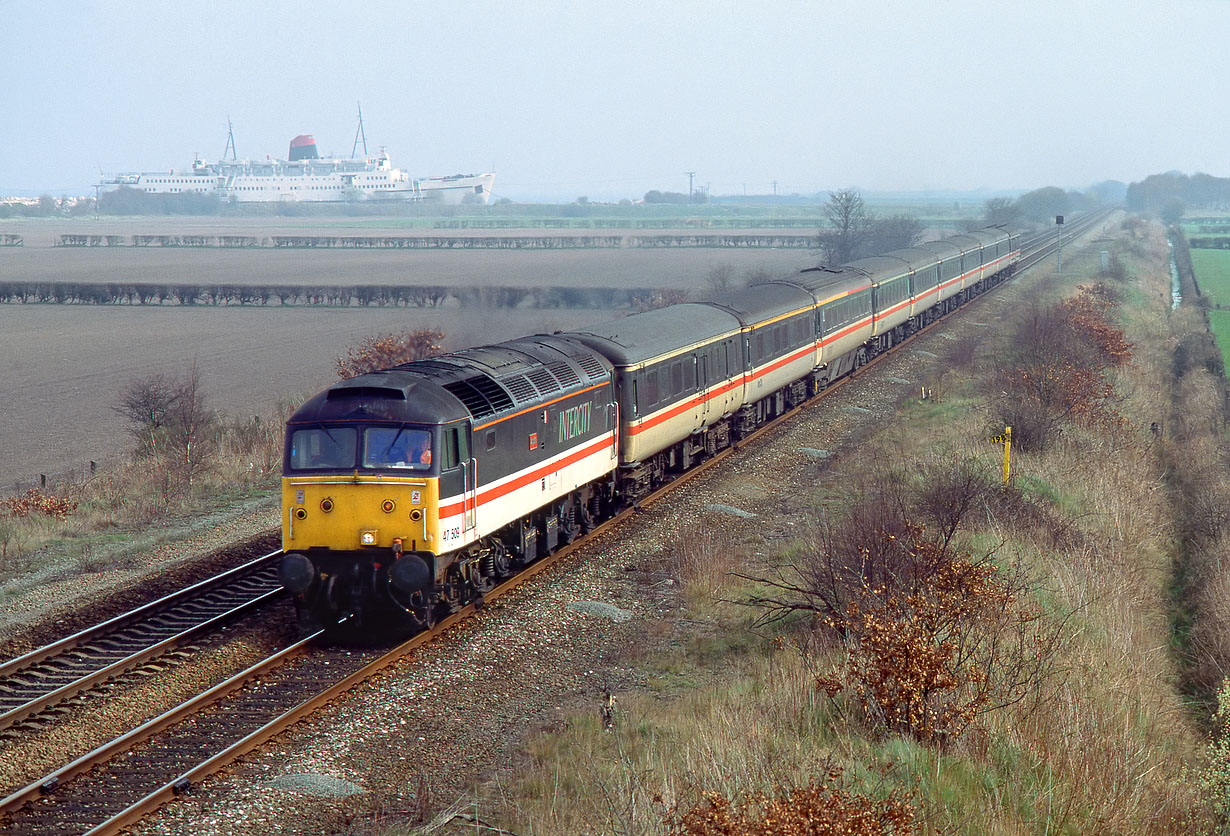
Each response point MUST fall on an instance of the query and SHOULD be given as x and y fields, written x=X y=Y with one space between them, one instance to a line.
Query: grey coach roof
x=644 y=336
x=763 y=301
x=825 y=282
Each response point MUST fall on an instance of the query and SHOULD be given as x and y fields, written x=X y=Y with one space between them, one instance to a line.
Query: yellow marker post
x=1007 y=453
x=1006 y=440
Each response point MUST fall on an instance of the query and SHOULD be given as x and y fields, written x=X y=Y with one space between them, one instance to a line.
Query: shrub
x=659 y=298
x=820 y=809
x=1058 y=371
x=1215 y=778
x=388 y=350
x=929 y=637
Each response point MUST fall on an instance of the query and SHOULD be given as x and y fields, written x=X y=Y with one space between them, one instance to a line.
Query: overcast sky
x=611 y=99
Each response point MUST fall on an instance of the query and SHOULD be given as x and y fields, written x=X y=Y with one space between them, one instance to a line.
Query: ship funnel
x=303 y=147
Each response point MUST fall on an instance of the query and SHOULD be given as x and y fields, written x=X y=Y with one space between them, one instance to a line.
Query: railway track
x=33 y=683
x=104 y=793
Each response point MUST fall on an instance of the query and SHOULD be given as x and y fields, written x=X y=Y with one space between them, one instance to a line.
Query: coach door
x=702 y=381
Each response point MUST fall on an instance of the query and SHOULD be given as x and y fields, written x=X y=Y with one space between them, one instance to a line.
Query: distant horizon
x=610 y=100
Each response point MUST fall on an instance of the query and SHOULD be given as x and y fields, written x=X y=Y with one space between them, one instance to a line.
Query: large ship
x=307 y=177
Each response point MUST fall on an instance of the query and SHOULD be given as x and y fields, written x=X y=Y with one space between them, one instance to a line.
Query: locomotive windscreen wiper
x=400 y=430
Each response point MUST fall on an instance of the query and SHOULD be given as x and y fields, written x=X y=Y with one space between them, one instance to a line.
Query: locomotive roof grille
x=481 y=395
x=565 y=374
x=520 y=387
x=590 y=365
x=544 y=382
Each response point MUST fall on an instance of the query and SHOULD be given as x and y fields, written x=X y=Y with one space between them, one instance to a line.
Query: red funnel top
x=303 y=147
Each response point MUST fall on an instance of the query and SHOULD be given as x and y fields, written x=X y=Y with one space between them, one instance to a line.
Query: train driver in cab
x=398 y=448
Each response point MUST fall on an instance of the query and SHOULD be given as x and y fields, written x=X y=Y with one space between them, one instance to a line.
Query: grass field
x=1213 y=273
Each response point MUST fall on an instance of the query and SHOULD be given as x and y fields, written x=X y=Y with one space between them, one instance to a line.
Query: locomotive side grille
x=564 y=374
x=544 y=382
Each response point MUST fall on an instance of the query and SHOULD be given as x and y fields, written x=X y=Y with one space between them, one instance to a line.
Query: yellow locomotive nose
x=363 y=512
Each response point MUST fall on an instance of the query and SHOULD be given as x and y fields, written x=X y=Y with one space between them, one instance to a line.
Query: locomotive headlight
x=367 y=538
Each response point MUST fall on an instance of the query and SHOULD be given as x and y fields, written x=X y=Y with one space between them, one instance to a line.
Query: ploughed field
x=63 y=365
x=39 y=260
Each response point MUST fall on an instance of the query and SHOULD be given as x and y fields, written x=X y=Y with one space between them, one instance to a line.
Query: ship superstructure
x=307 y=177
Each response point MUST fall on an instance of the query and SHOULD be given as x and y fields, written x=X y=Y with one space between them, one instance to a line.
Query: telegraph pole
x=691 y=176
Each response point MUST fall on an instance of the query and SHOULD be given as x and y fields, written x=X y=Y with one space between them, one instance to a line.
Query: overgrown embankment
x=930 y=650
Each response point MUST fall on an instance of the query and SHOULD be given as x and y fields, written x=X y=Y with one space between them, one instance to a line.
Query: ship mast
x=359 y=134
x=230 y=140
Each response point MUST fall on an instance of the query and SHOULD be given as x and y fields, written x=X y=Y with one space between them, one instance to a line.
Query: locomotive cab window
x=397 y=448
x=323 y=448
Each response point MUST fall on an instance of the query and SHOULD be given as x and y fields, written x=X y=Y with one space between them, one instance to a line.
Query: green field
x=1213 y=274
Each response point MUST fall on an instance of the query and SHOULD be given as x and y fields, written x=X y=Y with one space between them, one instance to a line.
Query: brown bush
x=1198 y=350
x=33 y=501
x=931 y=637
x=819 y=809
x=388 y=350
x=1058 y=371
x=659 y=299
x=931 y=661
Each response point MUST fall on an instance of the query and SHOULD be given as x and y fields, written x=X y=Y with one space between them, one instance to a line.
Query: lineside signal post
x=1006 y=440
x=1059 y=248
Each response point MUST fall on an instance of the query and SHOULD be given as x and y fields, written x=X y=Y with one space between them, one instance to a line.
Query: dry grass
x=241 y=460
x=1110 y=748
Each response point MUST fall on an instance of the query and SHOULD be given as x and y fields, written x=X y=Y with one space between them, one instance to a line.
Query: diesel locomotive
x=409 y=492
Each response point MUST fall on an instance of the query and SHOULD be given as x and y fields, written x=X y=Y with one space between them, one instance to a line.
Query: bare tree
x=849 y=224
x=146 y=403
x=719 y=277
x=895 y=233
x=189 y=427
x=1000 y=210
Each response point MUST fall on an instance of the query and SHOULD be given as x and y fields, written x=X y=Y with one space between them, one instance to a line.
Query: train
x=410 y=492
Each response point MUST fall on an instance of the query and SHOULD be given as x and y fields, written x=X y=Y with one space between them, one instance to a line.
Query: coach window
x=677 y=377
x=651 y=388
